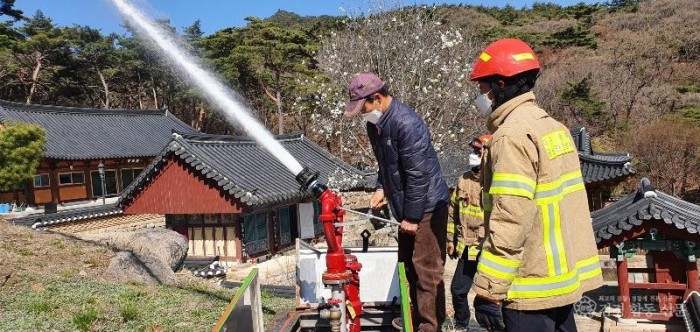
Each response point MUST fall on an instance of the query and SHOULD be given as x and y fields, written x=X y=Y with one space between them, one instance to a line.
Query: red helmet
x=505 y=57
x=479 y=142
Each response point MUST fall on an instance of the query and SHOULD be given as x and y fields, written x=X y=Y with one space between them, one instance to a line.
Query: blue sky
x=214 y=14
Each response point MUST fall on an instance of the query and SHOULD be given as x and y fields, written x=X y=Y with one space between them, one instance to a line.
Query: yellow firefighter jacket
x=465 y=222
x=539 y=251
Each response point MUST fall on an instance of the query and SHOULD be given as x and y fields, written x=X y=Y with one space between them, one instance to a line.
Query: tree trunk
x=35 y=77
x=155 y=95
x=340 y=146
x=279 y=113
x=278 y=86
x=105 y=86
x=140 y=90
x=278 y=101
x=200 y=118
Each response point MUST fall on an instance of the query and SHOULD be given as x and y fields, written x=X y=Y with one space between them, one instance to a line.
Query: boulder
x=128 y=267
x=164 y=244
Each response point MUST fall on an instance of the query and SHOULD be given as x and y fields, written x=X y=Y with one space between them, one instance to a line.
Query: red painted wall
x=178 y=190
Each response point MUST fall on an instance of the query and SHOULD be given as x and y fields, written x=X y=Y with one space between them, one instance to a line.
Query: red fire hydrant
x=342 y=271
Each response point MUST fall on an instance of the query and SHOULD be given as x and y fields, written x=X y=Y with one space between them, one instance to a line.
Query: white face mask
x=483 y=103
x=372 y=117
x=474 y=160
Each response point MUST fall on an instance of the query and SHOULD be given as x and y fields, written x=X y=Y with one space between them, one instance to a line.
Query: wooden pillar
x=239 y=237
x=692 y=273
x=53 y=175
x=668 y=270
x=271 y=223
x=28 y=188
x=88 y=179
x=623 y=284
x=118 y=177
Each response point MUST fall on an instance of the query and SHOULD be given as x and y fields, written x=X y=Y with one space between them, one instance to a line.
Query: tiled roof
x=111 y=223
x=600 y=167
x=83 y=133
x=66 y=216
x=644 y=206
x=691 y=311
x=245 y=171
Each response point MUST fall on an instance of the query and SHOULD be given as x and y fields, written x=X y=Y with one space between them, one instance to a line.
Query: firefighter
x=539 y=254
x=465 y=232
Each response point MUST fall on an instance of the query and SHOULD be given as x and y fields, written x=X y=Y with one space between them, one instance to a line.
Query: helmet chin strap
x=518 y=87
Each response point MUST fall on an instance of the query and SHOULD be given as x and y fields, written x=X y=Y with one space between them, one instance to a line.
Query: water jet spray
x=212 y=88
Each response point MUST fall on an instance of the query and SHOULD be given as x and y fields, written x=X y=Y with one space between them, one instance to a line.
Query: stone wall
x=352 y=234
x=356 y=200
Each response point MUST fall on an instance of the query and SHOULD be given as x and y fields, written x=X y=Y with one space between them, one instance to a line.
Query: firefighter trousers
x=559 y=319
x=460 y=286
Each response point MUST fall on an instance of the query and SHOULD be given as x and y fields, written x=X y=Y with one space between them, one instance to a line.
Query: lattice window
x=285 y=219
x=255 y=232
x=318 y=226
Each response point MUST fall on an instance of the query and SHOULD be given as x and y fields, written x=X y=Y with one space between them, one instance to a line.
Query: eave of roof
x=42 y=220
x=600 y=167
x=645 y=205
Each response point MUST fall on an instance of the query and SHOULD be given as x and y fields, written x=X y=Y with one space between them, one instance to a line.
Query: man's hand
x=450 y=249
x=408 y=227
x=488 y=314
x=377 y=201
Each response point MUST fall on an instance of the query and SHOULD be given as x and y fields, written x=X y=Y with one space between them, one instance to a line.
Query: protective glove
x=488 y=314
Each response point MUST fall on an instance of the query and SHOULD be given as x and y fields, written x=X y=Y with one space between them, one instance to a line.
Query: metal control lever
x=368 y=215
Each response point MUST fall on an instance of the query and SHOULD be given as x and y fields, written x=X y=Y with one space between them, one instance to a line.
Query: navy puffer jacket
x=409 y=170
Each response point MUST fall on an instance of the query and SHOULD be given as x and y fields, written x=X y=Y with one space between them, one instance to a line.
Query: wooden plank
x=653 y=316
x=190 y=244
x=219 y=242
x=201 y=197
x=209 y=240
x=73 y=192
x=657 y=285
x=244 y=312
x=198 y=243
x=231 y=242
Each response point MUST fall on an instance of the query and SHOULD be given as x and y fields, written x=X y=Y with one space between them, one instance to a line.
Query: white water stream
x=212 y=88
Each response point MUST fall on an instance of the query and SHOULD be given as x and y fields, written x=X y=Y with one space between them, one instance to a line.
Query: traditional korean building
x=79 y=139
x=665 y=229
x=601 y=171
x=233 y=200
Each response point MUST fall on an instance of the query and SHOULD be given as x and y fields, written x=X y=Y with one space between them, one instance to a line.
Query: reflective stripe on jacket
x=465 y=223
x=539 y=252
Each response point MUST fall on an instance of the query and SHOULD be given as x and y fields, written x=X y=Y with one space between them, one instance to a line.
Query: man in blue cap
x=410 y=179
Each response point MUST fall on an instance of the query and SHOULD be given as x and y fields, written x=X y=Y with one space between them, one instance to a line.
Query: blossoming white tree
x=424 y=63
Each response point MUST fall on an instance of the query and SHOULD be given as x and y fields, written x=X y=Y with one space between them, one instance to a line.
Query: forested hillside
x=627 y=70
